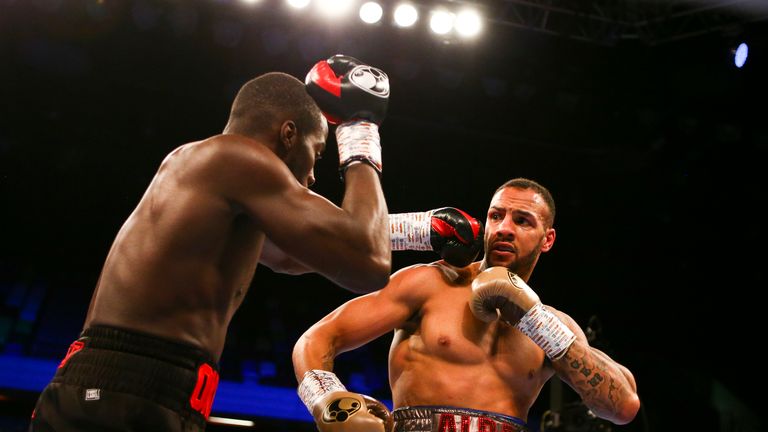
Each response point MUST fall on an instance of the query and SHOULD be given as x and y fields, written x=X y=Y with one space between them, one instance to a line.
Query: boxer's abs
x=434 y=382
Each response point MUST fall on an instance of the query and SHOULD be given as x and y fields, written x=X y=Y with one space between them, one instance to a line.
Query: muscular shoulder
x=233 y=166
x=417 y=282
x=234 y=152
x=217 y=152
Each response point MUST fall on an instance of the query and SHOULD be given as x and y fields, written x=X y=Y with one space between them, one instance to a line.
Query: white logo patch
x=370 y=79
x=93 y=394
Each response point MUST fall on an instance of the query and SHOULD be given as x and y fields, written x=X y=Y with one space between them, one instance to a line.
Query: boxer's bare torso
x=183 y=261
x=442 y=355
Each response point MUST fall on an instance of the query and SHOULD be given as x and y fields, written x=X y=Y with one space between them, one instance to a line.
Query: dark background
x=654 y=152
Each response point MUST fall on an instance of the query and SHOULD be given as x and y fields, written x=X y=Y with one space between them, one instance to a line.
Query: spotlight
x=371 y=12
x=334 y=7
x=298 y=4
x=406 y=15
x=468 y=23
x=441 y=21
x=740 y=55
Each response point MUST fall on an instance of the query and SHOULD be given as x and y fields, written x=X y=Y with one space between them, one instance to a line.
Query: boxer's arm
x=624 y=371
x=351 y=325
x=450 y=232
x=606 y=387
x=361 y=320
x=349 y=244
x=280 y=262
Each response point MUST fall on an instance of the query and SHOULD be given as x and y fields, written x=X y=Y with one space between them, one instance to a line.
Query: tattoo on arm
x=593 y=379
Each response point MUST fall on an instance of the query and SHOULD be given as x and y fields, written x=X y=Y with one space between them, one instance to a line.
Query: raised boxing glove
x=347 y=89
x=452 y=233
x=497 y=293
x=337 y=410
x=355 y=96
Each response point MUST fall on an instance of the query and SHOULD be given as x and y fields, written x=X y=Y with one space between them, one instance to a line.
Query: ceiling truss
x=607 y=22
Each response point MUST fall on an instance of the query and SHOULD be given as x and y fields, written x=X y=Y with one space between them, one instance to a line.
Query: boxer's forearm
x=312 y=352
x=630 y=379
x=602 y=383
x=364 y=201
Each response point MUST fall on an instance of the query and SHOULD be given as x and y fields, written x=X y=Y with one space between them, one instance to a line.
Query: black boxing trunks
x=450 y=419
x=118 y=380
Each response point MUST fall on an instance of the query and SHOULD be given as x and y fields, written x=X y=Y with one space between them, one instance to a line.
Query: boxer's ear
x=288 y=135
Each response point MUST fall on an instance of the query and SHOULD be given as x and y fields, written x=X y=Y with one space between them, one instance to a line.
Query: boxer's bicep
x=371 y=316
x=322 y=236
x=351 y=325
x=307 y=227
x=359 y=321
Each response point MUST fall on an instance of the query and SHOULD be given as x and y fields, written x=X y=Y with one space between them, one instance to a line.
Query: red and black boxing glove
x=347 y=89
x=452 y=233
x=354 y=96
x=456 y=236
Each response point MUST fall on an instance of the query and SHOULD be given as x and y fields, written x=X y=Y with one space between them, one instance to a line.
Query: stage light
x=298 y=4
x=740 y=55
x=468 y=23
x=406 y=15
x=371 y=12
x=441 y=21
x=334 y=7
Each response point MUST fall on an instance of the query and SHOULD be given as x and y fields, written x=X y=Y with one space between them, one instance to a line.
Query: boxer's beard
x=524 y=263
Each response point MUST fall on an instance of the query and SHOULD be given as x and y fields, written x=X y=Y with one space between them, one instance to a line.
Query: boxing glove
x=346 y=89
x=337 y=410
x=355 y=96
x=456 y=236
x=497 y=293
x=452 y=233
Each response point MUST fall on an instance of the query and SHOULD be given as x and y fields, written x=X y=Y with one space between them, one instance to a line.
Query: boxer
x=472 y=347
x=184 y=259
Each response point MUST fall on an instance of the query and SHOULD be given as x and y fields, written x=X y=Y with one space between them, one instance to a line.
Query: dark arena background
x=652 y=141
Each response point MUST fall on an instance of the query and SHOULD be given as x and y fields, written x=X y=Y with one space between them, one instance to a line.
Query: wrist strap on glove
x=411 y=231
x=358 y=141
x=547 y=331
x=316 y=384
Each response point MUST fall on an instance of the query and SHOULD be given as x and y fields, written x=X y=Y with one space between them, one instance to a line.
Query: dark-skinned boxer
x=183 y=261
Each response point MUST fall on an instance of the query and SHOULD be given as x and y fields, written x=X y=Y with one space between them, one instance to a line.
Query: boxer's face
x=515 y=230
x=303 y=155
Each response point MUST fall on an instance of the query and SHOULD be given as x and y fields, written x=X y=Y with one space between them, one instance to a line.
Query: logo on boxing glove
x=340 y=409
x=370 y=80
x=515 y=280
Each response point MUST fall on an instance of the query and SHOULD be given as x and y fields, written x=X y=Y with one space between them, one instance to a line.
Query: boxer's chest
x=449 y=330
